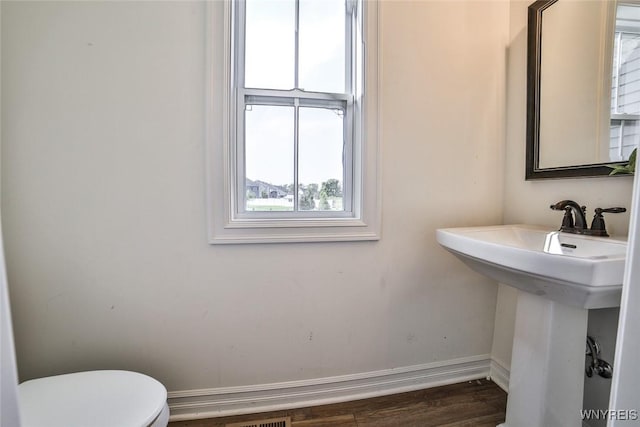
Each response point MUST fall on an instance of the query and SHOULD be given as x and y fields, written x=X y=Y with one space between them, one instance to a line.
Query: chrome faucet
x=579 y=226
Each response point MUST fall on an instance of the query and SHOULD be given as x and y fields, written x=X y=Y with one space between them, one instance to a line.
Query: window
x=292 y=144
x=295 y=116
x=625 y=90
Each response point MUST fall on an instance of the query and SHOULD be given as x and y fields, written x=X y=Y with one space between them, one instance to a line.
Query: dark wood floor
x=478 y=403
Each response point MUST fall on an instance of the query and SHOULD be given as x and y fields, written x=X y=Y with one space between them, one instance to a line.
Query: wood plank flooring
x=478 y=403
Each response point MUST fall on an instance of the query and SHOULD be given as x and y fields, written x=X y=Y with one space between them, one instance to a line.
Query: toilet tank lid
x=94 y=398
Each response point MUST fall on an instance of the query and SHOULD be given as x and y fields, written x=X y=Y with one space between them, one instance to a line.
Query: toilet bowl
x=82 y=399
x=94 y=399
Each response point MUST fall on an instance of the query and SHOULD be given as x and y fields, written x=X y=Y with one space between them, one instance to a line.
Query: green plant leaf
x=632 y=160
x=619 y=170
x=628 y=169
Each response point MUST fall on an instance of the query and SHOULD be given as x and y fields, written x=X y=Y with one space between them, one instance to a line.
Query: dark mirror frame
x=534 y=54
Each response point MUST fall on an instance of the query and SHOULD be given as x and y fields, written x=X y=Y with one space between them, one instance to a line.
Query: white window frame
x=225 y=193
x=625 y=119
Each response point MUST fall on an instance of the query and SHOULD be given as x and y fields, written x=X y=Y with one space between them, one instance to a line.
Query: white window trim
x=224 y=226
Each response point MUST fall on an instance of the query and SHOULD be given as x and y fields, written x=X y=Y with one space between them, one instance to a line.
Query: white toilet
x=94 y=399
x=83 y=399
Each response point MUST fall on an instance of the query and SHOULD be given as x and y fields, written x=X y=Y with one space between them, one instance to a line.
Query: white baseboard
x=226 y=401
x=499 y=374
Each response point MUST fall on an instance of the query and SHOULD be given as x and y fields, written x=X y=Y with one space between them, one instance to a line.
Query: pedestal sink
x=562 y=276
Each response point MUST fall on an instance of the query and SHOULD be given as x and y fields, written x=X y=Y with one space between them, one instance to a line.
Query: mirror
x=583 y=87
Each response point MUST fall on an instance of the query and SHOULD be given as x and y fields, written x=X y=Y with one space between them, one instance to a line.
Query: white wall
x=103 y=204
x=528 y=201
x=9 y=412
x=624 y=393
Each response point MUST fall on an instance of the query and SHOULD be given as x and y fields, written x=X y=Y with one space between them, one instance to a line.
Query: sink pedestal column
x=547 y=365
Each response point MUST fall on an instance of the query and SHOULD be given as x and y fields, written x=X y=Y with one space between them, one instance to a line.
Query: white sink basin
x=576 y=270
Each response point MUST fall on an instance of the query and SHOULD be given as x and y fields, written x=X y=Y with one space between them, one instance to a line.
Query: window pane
x=629 y=137
x=628 y=76
x=322 y=45
x=624 y=137
x=269 y=158
x=320 y=159
x=270 y=44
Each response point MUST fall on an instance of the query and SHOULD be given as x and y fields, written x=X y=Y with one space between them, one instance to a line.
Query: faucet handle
x=598 y=227
x=568 y=223
x=610 y=210
x=567 y=220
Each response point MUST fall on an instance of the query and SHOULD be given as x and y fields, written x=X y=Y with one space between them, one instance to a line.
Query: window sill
x=306 y=235
x=254 y=230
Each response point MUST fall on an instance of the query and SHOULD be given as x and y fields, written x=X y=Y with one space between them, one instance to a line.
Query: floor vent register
x=271 y=422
